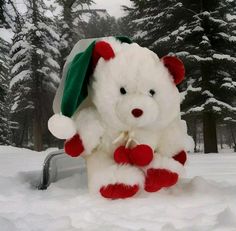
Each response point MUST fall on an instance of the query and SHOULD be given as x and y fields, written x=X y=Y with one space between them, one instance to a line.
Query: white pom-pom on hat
x=62 y=127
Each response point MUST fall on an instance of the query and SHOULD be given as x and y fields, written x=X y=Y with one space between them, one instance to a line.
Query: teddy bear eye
x=123 y=91
x=152 y=92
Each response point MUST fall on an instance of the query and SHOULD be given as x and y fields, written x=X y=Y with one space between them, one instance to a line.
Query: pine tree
x=71 y=25
x=211 y=50
x=2 y=16
x=34 y=74
x=4 y=67
x=199 y=33
x=101 y=26
x=9 y=15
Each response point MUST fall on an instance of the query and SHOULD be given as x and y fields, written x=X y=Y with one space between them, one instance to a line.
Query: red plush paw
x=119 y=191
x=141 y=155
x=181 y=157
x=74 y=146
x=159 y=178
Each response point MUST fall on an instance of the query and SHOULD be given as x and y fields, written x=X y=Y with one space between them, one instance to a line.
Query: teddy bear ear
x=103 y=50
x=175 y=67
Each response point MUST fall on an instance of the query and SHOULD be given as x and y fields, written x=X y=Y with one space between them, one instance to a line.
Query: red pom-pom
x=74 y=146
x=175 y=67
x=119 y=191
x=181 y=157
x=104 y=50
x=141 y=155
x=159 y=178
x=121 y=155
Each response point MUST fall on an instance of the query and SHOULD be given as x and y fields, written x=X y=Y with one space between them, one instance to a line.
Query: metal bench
x=58 y=165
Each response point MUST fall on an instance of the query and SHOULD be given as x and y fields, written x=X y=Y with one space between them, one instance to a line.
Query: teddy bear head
x=132 y=88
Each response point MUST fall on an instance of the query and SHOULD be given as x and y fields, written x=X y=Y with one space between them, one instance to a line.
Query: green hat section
x=77 y=79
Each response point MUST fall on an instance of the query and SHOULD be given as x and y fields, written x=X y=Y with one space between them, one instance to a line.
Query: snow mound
x=202 y=202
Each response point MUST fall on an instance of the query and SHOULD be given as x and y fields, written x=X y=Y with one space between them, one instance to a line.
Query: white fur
x=173 y=138
x=61 y=126
x=89 y=128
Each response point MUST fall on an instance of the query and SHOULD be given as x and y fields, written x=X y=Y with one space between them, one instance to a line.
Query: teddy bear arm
x=90 y=129
x=175 y=140
x=170 y=155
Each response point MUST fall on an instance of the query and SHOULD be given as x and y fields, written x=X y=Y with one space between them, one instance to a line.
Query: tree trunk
x=21 y=140
x=37 y=116
x=195 y=134
x=233 y=137
x=221 y=137
x=192 y=128
x=37 y=134
x=209 y=133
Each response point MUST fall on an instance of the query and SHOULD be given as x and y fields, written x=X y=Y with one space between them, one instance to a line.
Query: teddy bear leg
x=159 y=178
x=163 y=172
x=111 y=180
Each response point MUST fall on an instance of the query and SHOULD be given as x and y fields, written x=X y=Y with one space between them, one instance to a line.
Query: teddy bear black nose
x=137 y=112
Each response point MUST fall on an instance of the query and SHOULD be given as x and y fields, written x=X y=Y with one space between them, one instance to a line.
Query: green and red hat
x=73 y=89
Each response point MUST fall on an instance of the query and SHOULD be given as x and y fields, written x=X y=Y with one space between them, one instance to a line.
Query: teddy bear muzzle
x=136 y=112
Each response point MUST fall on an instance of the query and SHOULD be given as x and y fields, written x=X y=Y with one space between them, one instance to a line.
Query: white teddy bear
x=129 y=128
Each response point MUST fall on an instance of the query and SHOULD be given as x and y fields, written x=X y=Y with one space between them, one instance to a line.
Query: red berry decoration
x=141 y=155
x=121 y=155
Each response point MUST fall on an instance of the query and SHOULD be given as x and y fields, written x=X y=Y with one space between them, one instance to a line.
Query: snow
x=224 y=57
x=207 y=93
x=50 y=30
x=232 y=38
x=220 y=103
x=182 y=53
x=215 y=108
x=194 y=110
x=6 y=34
x=14 y=106
x=164 y=39
x=231 y=85
x=190 y=88
x=140 y=34
x=19 y=77
x=198 y=29
x=200 y=59
x=52 y=48
x=18 y=66
x=218 y=21
x=230 y=17
x=53 y=63
x=203 y=201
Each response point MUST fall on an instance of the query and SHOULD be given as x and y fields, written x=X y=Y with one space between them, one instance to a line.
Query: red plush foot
x=121 y=155
x=141 y=155
x=74 y=146
x=159 y=178
x=181 y=157
x=119 y=191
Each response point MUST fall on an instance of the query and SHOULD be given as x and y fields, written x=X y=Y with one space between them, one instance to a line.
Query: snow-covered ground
x=205 y=200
